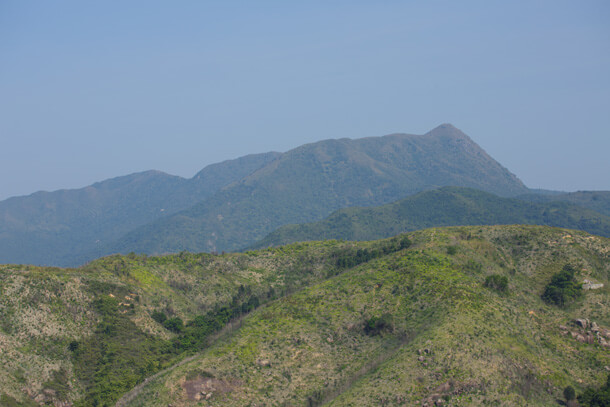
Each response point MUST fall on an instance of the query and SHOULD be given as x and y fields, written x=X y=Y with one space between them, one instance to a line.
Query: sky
x=95 y=90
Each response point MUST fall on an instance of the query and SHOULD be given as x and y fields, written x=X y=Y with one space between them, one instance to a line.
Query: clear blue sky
x=94 y=90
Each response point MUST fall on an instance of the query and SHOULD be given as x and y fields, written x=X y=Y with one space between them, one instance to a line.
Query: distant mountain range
x=449 y=206
x=52 y=228
x=234 y=204
x=311 y=181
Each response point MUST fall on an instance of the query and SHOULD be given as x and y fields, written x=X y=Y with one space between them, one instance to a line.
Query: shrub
x=159 y=316
x=174 y=324
x=596 y=397
x=496 y=282
x=569 y=393
x=73 y=346
x=563 y=288
x=376 y=325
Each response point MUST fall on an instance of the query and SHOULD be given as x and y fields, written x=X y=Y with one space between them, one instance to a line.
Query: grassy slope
x=447 y=206
x=315 y=339
x=42 y=310
x=485 y=348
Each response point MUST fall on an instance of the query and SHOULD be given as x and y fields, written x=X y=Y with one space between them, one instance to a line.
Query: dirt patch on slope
x=204 y=388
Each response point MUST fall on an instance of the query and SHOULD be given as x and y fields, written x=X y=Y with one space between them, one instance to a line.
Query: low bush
x=496 y=282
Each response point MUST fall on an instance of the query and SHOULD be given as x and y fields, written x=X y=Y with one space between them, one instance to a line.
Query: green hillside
x=311 y=181
x=58 y=228
x=448 y=206
x=391 y=322
x=89 y=334
x=414 y=326
x=598 y=201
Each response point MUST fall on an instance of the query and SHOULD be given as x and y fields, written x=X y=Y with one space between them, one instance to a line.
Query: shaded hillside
x=448 y=206
x=414 y=326
x=55 y=227
x=311 y=181
x=598 y=201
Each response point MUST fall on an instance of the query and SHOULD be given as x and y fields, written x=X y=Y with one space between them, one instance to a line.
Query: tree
x=569 y=394
x=174 y=324
x=563 y=287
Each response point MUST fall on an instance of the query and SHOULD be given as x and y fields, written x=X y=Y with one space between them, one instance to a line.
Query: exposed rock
x=590 y=285
x=421 y=359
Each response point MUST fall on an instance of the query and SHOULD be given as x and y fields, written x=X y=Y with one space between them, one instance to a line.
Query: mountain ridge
x=446 y=206
x=310 y=181
x=49 y=227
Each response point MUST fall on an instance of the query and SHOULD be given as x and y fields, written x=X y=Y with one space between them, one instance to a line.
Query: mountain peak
x=447 y=129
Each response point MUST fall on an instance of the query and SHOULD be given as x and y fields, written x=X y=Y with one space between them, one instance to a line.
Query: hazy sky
x=94 y=90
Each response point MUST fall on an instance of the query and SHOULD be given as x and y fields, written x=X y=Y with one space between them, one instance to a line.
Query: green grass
x=488 y=348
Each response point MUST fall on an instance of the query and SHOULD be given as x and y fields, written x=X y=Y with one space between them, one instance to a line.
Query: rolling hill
x=447 y=206
x=402 y=321
x=598 y=201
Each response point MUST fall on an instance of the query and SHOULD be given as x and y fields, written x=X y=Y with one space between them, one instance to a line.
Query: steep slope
x=448 y=206
x=414 y=326
x=55 y=227
x=311 y=181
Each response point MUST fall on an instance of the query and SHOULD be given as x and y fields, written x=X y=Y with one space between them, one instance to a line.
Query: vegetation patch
x=496 y=282
x=563 y=288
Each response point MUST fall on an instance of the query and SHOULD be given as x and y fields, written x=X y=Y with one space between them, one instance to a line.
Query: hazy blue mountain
x=54 y=227
x=311 y=181
x=448 y=206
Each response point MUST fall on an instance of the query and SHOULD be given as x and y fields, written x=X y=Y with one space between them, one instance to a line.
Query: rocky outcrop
x=590 y=285
x=587 y=332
